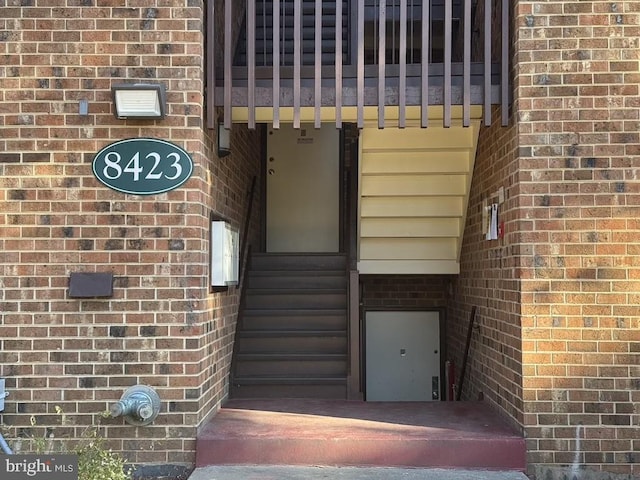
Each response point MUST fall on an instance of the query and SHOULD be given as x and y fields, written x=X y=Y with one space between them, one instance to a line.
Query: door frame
x=342 y=190
x=399 y=308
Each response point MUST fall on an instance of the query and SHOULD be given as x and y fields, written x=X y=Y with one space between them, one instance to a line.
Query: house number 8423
x=142 y=166
x=113 y=168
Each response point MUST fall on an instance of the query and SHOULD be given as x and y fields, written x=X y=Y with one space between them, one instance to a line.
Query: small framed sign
x=225 y=259
x=142 y=166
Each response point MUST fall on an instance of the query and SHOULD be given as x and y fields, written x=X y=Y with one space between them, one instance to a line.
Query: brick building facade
x=558 y=344
x=162 y=327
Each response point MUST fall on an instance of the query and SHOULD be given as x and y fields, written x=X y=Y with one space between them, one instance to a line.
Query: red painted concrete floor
x=351 y=433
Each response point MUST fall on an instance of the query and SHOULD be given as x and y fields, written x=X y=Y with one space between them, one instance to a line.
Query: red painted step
x=351 y=433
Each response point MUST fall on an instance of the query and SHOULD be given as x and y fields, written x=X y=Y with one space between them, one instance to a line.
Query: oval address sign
x=142 y=166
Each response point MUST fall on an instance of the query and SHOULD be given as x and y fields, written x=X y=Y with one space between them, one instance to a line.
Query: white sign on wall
x=225 y=261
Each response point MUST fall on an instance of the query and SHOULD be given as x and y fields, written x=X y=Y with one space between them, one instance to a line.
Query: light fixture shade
x=139 y=100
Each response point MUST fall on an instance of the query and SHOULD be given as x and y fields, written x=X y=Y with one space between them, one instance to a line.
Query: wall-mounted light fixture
x=224 y=140
x=139 y=100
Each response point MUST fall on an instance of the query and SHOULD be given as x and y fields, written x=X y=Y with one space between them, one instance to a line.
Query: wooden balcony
x=354 y=60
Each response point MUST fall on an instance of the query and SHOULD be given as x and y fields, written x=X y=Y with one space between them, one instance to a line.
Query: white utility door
x=402 y=356
x=303 y=194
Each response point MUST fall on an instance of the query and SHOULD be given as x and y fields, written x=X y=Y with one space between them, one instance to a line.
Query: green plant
x=45 y=443
x=95 y=460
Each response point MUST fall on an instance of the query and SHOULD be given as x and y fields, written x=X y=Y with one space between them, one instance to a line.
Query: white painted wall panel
x=411 y=206
x=414 y=190
x=409 y=227
x=422 y=161
x=401 y=185
x=408 y=248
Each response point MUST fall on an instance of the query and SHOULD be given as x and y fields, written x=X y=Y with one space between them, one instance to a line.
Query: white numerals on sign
x=113 y=169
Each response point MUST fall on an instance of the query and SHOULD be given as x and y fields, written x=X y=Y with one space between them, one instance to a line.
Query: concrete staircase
x=292 y=336
x=289 y=410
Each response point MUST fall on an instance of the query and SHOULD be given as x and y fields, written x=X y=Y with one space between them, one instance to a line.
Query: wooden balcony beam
x=350 y=93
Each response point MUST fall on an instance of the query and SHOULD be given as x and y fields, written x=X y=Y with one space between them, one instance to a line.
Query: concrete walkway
x=275 y=472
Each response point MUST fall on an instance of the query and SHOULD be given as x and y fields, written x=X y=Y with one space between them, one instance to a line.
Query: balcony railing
x=357 y=53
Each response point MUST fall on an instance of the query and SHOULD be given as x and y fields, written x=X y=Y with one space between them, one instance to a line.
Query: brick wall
x=569 y=256
x=577 y=90
x=406 y=291
x=163 y=327
x=489 y=280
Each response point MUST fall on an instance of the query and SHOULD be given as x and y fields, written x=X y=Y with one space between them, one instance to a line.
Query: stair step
x=446 y=435
x=292 y=357
x=292 y=341
x=299 y=273
x=292 y=338
x=291 y=364
x=266 y=386
x=294 y=319
x=289 y=391
x=295 y=280
x=296 y=291
x=290 y=380
x=299 y=262
x=290 y=298
x=292 y=333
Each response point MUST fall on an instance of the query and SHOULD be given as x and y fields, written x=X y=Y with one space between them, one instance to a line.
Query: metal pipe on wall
x=5 y=446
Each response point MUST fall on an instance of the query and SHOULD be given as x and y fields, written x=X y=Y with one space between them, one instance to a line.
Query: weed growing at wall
x=95 y=460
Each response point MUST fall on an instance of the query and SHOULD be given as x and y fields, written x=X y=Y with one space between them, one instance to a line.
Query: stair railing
x=244 y=245
x=245 y=262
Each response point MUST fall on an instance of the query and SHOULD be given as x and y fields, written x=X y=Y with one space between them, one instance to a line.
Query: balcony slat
x=466 y=100
x=338 y=64
x=211 y=65
x=447 y=64
x=276 y=64
x=504 y=80
x=426 y=47
x=382 y=48
x=251 y=61
x=228 y=79
x=487 y=62
x=360 y=72
x=402 y=100
x=317 y=63
x=297 y=36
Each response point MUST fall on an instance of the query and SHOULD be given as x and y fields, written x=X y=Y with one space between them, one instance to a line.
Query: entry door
x=402 y=356
x=303 y=199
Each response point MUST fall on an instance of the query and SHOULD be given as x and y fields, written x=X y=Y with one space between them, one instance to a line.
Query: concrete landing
x=276 y=472
x=310 y=432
